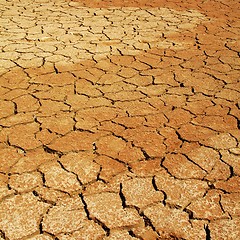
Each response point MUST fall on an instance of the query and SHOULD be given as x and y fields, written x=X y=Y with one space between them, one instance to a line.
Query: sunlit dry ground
x=119 y=119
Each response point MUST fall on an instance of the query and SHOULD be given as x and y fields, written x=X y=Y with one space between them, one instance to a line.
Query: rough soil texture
x=119 y=119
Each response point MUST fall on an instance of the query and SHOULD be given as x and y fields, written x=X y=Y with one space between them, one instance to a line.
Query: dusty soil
x=119 y=119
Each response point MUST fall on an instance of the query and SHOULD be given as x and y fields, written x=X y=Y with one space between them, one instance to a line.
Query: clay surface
x=119 y=119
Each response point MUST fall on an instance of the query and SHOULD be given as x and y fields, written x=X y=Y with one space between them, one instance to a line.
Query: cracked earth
x=119 y=119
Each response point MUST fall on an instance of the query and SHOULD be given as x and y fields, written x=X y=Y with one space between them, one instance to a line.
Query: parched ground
x=119 y=119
